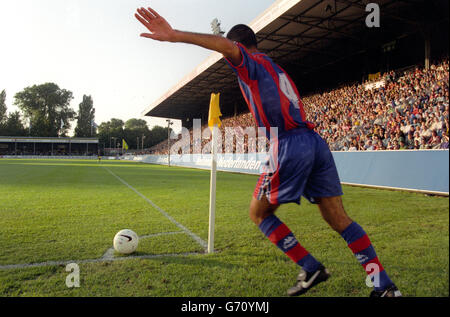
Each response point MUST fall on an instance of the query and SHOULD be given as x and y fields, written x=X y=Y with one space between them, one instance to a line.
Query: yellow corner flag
x=214 y=111
x=124 y=145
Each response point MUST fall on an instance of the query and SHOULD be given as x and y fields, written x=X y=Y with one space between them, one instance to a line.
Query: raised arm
x=162 y=31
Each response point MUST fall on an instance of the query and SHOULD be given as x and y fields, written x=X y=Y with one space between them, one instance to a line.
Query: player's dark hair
x=243 y=34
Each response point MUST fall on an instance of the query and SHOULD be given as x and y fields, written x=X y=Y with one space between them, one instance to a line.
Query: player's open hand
x=160 y=29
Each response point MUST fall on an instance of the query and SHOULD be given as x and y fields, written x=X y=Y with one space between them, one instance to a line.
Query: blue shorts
x=300 y=164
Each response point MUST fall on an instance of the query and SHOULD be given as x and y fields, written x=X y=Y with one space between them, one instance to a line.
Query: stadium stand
x=48 y=146
x=407 y=109
x=330 y=53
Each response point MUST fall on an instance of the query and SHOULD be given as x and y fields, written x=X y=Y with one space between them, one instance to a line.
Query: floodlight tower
x=114 y=141
x=215 y=26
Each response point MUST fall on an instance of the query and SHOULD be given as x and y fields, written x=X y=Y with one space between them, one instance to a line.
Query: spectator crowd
x=399 y=111
x=409 y=110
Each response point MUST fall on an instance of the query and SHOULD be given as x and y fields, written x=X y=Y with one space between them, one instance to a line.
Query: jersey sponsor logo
x=289 y=242
x=362 y=258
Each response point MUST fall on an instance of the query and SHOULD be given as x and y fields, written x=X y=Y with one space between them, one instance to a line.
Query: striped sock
x=362 y=248
x=283 y=238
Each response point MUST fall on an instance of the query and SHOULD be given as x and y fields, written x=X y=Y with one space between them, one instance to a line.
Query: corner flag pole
x=213 y=123
x=212 y=192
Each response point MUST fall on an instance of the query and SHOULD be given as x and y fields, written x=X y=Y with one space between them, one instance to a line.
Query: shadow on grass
x=199 y=259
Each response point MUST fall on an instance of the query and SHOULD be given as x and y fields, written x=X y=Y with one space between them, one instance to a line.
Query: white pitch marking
x=108 y=256
x=159 y=234
x=179 y=225
x=98 y=260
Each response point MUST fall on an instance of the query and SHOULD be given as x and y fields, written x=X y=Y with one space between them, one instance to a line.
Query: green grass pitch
x=61 y=210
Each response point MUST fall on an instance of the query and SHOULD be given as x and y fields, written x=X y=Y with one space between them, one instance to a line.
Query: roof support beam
x=388 y=14
x=320 y=22
x=317 y=26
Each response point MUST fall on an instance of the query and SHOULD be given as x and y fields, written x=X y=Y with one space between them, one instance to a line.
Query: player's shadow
x=196 y=258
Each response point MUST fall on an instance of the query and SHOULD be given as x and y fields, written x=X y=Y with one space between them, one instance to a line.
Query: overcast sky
x=93 y=47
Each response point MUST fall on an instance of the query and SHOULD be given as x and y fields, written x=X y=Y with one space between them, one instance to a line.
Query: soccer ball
x=126 y=241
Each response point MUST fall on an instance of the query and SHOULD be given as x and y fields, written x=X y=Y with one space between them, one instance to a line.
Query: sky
x=93 y=47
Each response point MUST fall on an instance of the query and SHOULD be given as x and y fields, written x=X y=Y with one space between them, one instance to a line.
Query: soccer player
x=300 y=163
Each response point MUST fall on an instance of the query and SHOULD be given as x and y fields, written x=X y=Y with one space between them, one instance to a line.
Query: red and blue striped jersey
x=270 y=93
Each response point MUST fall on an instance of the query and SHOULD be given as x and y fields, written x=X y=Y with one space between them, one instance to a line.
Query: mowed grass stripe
x=184 y=194
x=60 y=212
x=187 y=231
x=409 y=232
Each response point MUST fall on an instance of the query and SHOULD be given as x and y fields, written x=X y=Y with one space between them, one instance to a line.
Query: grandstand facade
x=47 y=146
x=330 y=53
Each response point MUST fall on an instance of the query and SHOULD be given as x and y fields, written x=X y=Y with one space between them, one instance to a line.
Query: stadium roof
x=306 y=35
x=22 y=139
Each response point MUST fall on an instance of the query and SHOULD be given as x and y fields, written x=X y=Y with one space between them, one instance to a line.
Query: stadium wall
x=416 y=170
x=46 y=157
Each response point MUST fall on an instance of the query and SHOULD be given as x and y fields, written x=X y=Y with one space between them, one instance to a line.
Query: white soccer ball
x=126 y=241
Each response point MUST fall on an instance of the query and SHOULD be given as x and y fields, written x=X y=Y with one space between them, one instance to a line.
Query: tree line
x=45 y=112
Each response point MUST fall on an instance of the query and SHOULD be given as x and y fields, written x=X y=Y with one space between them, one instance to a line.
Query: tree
x=3 y=115
x=14 y=126
x=136 y=124
x=10 y=125
x=116 y=125
x=109 y=130
x=104 y=134
x=134 y=130
x=85 y=118
x=47 y=108
x=130 y=131
x=158 y=134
